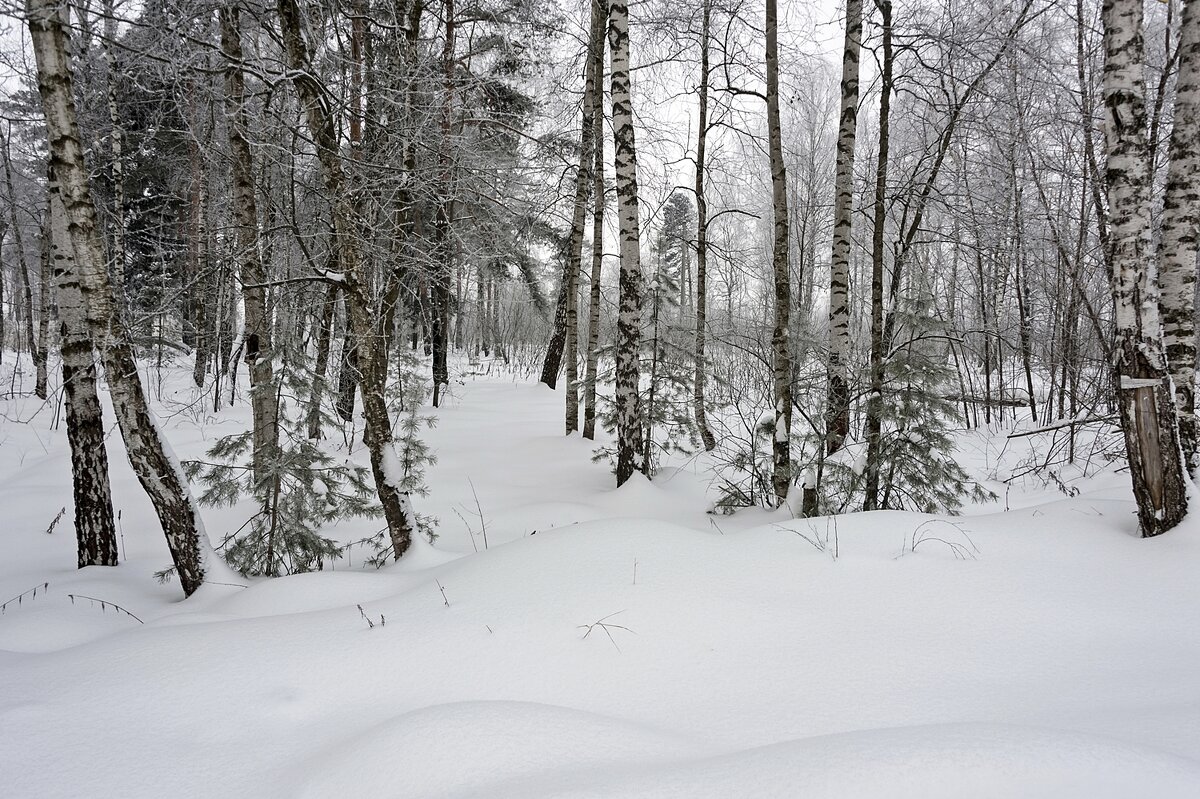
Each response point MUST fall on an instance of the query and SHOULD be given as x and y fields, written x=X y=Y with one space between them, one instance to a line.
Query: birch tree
x=629 y=320
x=149 y=455
x=599 y=20
x=584 y=184
x=879 y=220
x=95 y=530
x=1181 y=217
x=838 y=413
x=781 y=357
x=699 y=378
x=1146 y=406
x=256 y=331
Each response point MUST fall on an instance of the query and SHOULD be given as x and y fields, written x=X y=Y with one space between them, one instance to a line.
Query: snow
x=605 y=643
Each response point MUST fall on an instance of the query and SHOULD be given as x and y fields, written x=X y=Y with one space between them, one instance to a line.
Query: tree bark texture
x=781 y=357
x=1180 y=220
x=629 y=319
x=838 y=412
x=95 y=531
x=1144 y=399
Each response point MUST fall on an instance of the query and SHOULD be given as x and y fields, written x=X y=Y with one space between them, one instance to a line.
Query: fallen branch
x=1067 y=423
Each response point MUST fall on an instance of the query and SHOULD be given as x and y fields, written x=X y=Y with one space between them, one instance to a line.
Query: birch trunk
x=1181 y=216
x=698 y=380
x=149 y=454
x=781 y=359
x=377 y=434
x=1147 y=411
x=838 y=414
x=256 y=331
x=95 y=531
x=629 y=319
x=875 y=400
x=600 y=8
x=584 y=184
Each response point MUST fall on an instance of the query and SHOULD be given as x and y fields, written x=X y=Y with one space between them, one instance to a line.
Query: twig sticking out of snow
x=31 y=593
x=369 y=621
x=605 y=627
x=442 y=588
x=105 y=605
x=827 y=542
x=922 y=533
x=53 y=524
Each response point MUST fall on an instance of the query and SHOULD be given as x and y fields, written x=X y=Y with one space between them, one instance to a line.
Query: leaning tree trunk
x=1143 y=384
x=838 y=411
x=1181 y=216
x=629 y=319
x=377 y=433
x=583 y=188
x=95 y=532
x=698 y=379
x=600 y=8
x=781 y=357
x=256 y=331
x=149 y=455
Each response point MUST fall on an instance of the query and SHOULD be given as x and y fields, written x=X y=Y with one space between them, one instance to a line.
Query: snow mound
x=934 y=762
x=482 y=749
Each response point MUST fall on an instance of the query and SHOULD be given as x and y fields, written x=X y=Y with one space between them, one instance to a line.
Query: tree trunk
x=698 y=380
x=37 y=347
x=629 y=320
x=1025 y=324
x=204 y=283
x=584 y=183
x=838 y=413
x=598 y=200
x=95 y=531
x=875 y=400
x=256 y=331
x=1181 y=216
x=348 y=375
x=781 y=357
x=116 y=143
x=444 y=247
x=149 y=454
x=321 y=368
x=1146 y=406
x=378 y=429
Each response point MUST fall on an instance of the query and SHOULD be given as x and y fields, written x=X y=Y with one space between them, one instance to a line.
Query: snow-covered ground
x=600 y=642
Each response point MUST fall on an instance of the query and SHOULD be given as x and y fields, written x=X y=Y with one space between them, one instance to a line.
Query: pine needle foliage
x=304 y=490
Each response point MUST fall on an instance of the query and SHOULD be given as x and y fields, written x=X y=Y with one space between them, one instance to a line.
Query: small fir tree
x=304 y=490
